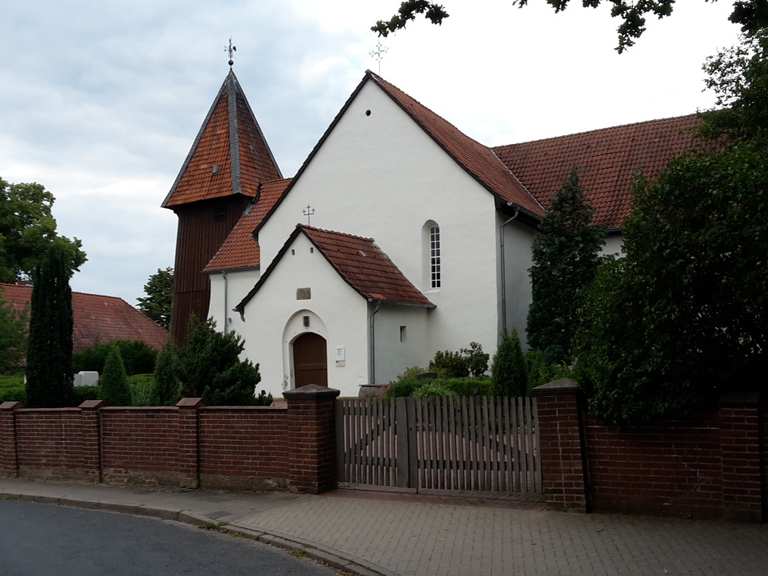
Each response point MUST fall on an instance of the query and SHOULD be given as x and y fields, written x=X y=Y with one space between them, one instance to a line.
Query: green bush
x=509 y=371
x=165 y=388
x=418 y=383
x=114 y=381
x=449 y=364
x=541 y=372
x=432 y=389
x=477 y=360
x=82 y=393
x=138 y=358
x=468 y=386
x=406 y=384
x=141 y=386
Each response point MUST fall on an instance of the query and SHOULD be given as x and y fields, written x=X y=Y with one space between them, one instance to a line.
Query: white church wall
x=392 y=355
x=380 y=175
x=612 y=246
x=518 y=246
x=273 y=318
x=226 y=293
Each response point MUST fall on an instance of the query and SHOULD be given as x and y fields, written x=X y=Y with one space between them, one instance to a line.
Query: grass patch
x=12 y=387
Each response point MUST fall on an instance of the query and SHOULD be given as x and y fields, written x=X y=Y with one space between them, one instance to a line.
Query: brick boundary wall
x=187 y=445
x=711 y=465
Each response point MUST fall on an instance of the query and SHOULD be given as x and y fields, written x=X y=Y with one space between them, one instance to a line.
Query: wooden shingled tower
x=228 y=161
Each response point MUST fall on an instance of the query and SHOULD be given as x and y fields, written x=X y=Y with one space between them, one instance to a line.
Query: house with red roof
x=96 y=319
x=399 y=235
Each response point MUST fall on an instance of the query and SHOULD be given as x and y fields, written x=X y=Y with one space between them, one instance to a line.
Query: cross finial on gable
x=308 y=212
x=378 y=53
x=231 y=49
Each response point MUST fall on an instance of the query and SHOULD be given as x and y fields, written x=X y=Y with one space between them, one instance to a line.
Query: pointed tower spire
x=229 y=155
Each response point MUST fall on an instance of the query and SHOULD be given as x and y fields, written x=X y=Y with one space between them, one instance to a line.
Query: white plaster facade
x=275 y=317
x=381 y=176
x=378 y=174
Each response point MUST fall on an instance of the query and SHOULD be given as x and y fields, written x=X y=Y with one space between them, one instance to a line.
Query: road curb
x=332 y=558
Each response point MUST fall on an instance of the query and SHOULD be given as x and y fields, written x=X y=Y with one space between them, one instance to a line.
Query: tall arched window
x=432 y=255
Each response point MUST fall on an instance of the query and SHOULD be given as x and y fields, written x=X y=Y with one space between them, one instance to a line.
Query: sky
x=101 y=101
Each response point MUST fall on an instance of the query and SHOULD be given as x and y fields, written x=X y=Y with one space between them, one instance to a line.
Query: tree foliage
x=684 y=317
x=49 y=348
x=28 y=230
x=509 y=371
x=13 y=337
x=751 y=15
x=208 y=365
x=565 y=257
x=159 y=295
x=738 y=77
x=114 y=380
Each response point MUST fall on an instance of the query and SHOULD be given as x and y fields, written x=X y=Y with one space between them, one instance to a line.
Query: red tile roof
x=97 y=319
x=607 y=162
x=360 y=263
x=240 y=250
x=230 y=154
x=478 y=160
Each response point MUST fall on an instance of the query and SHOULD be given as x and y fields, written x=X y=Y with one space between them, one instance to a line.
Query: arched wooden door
x=309 y=360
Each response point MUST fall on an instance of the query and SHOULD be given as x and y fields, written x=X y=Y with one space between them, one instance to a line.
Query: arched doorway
x=310 y=360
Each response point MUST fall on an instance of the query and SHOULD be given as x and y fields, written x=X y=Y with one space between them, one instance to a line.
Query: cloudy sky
x=100 y=101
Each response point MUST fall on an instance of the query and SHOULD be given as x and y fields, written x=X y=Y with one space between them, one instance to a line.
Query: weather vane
x=378 y=53
x=231 y=49
x=308 y=212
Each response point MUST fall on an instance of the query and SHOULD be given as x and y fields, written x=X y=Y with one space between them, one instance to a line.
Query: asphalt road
x=41 y=539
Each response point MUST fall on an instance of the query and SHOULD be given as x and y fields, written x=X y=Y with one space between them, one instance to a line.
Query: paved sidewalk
x=408 y=535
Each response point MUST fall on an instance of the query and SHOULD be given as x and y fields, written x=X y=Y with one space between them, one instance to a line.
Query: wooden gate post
x=403 y=444
x=563 y=464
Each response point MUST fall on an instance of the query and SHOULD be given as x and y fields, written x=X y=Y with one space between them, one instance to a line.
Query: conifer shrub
x=208 y=365
x=566 y=253
x=510 y=371
x=165 y=385
x=49 y=345
x=114 y=381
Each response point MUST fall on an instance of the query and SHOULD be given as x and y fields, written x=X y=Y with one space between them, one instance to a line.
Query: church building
x=398 y=236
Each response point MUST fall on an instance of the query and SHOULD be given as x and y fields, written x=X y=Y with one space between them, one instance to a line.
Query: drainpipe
x=504 y=270
x=372 y=342
x=226 y=308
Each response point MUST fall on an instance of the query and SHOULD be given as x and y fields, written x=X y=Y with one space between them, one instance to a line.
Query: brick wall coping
x=70 y=409
x=10 y=405
x=139 y=408
x=189 y=403
x=563 y=385
x=91 y=404
x=243 y=408
x=740 y=399
x=311 y=392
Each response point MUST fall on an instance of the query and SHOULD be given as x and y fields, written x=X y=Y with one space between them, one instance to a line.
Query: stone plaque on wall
x=303 y=293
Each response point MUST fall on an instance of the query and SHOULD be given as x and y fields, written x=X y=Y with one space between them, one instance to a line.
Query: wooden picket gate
x=440 y=445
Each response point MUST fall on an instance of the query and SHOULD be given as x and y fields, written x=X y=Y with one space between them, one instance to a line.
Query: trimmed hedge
x=138 y=358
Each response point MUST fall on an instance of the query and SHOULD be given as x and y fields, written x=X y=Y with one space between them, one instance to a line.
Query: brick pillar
x=91 y=438
x=740 y=446
x=9 y=462
x=189 y=454
x=563 y=454
x=311 y=438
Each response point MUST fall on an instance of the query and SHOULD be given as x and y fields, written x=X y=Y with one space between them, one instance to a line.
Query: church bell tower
x=228 y=161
